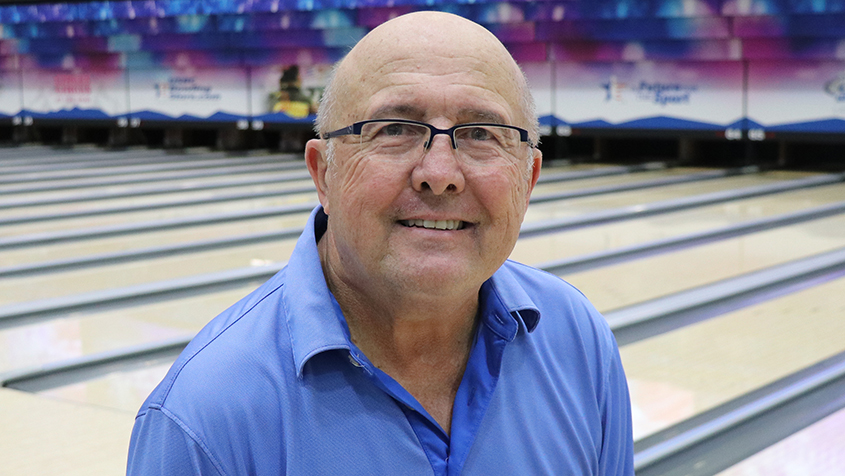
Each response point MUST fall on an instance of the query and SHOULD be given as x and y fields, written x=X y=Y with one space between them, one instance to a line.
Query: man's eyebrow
x=481 y=115
x=400 y=111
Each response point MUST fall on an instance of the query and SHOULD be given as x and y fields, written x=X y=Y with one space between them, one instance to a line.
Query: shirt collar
x=314 y=318
x=506 y=292
x=316 y=323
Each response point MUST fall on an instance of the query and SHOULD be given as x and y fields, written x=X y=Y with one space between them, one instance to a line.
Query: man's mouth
x=434 y=224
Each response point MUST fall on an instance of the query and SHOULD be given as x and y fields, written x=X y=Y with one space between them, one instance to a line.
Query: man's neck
x=427 y=356
x=422 y=342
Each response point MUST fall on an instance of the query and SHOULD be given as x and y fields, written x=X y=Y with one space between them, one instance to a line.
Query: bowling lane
x=38 y=193
x=122 y=390
x=818 y=450
x=177 y=194
x=580 y=206
x=139 y=216
x=546 y=210
x=610 y=180
x=85 y=333
x=628 y=283
x=157 y=214
x=634 y=281
x=90 y=162
x=32 y=288
x=679 y=374
x=118 y=167
x=45 y=436
x=672 y=376
x=58 y=251
x=184 y=191
x=187 y=184
x=43 y=184
x=41 y=227
x=543 y=248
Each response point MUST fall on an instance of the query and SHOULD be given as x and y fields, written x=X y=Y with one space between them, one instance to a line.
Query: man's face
x=376 y=208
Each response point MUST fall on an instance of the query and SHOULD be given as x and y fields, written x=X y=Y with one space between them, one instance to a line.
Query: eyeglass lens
x=479 y=145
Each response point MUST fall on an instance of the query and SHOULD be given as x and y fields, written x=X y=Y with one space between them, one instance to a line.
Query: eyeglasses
x=399 y=140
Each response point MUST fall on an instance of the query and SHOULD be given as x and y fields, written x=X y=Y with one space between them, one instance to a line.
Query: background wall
x=727 y=69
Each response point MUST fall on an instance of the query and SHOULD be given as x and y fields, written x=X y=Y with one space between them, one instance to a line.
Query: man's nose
x=439 y=169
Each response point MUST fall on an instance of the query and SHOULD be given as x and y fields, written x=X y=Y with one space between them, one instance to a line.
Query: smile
x=434 y=224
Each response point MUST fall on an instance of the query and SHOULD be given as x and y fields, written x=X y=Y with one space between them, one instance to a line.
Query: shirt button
x=355 y=362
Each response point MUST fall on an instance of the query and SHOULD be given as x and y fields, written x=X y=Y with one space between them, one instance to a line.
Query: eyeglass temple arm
x=348 y=130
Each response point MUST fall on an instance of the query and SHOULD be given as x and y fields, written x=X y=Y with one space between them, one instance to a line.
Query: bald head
x=411 y=50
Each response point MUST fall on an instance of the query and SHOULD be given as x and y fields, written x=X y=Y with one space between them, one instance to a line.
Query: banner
x=189 y=94
x=650 y=95
x=74 y=94
x=10 y=93
x=287 y=93
x=797 y=96
x=539 y=77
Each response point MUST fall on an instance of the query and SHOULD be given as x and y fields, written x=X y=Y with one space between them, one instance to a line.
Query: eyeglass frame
x=355 y=129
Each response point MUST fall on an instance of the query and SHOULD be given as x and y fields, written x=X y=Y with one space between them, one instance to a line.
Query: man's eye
x=480 y=133
x=394 y=129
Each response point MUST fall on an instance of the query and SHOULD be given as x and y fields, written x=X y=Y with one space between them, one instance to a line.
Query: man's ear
x=537 y=159
x=317 y=162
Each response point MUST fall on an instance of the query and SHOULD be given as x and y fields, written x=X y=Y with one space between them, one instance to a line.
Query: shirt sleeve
x=161 y=446
x=617 y=456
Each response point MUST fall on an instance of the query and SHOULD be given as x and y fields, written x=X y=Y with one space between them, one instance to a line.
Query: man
x=398 y=340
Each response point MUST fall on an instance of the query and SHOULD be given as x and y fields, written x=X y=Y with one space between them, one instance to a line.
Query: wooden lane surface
x=624 y=284
x=155 y=214
x=119 y=334
x=695 y=368
x=580 y=206
x=817 y=450
x=119 y=275
x=103 y=245
x=132 y=241
x=180 y=193
x=200 y=209
x=542 y=248
x=91 y=332
x=46 y=436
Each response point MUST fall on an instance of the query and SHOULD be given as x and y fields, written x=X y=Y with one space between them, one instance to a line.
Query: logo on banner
x=72 y=88
x=836 y=88
x=614 y=89
x=185 y=89
x=652 y=92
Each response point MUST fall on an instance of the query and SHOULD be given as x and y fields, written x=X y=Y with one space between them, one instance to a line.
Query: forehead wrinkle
x=395 y=95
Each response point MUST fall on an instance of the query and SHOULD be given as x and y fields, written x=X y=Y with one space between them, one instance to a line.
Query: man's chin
x=438 y=276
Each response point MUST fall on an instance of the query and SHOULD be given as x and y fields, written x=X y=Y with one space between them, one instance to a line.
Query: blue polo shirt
x=274 y=386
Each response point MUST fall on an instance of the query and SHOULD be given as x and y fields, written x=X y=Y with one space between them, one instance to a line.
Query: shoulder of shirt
x=534 y=279
x=560 y=304
x=221 y=332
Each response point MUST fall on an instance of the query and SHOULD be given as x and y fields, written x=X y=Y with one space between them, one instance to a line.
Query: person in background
x=399 y=340
x=290 y=99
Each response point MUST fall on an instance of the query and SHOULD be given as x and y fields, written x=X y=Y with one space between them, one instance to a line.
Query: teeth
x=435 y=224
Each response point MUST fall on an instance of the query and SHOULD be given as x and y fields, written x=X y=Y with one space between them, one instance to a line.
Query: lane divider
x=157 y=177
x=117 y=169
x=677 y=204
x=31 y=218
x=528 y=229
